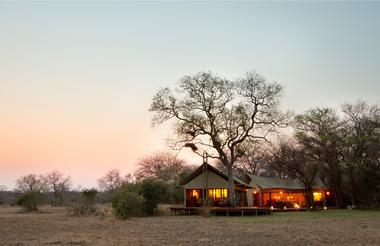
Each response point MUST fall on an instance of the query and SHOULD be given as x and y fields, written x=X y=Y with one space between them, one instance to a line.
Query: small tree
x=89 y=199
x=31 y=186
x=58 y=183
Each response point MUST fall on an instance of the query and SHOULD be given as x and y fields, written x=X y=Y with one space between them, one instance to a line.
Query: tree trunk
x=309 y=197
x=231 y=186
x=352 y=186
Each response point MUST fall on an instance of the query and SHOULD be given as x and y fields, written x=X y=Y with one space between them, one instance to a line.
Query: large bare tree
x=217 y=115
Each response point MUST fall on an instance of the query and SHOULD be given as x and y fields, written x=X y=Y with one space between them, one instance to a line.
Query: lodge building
x=207 y=186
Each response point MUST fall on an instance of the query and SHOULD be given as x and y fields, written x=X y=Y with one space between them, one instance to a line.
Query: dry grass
x=55 y=227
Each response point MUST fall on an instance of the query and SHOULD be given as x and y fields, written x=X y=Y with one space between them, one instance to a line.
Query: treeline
x=342 y=148
x=155 y=181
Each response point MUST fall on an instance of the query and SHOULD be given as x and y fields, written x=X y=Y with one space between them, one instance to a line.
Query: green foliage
x=127 y=204
x=153 y=192
x=89 y=198
x=30 y=201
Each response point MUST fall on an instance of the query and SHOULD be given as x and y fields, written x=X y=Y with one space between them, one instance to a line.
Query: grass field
x=53 y=226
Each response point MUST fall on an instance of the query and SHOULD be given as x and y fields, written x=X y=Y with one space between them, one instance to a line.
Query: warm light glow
x=217 y=193
x=271 y=207
x=296 y=205
x=285 y=207
x=325 y=208
x=328 y=193
x=254 y=192
x=317 y=196
x=195 y=194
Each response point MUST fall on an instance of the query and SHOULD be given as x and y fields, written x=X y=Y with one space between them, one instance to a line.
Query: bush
x=89 y=198
x=153 y=192
x=30 y=201
x=86 y=205
x=127 y=204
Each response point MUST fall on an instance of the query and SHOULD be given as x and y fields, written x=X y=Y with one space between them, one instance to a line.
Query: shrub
x=89 y=198
x=30 y=201
x=127 y=204
x=86 y=205
x=153 y=192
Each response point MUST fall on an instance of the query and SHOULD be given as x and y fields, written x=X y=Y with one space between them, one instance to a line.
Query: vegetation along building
x=207 y=186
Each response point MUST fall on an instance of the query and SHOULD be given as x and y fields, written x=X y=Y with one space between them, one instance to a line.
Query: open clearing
x=53 y=226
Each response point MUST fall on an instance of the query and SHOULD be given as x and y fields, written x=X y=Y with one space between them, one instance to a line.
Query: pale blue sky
x=71 y=71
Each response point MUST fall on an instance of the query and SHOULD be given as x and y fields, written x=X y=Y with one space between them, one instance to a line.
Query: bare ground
x=53 y=226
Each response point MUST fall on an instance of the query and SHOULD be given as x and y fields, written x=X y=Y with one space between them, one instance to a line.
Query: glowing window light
x=224 y=193
x=317 y=196
x=218 y=193
x=195 y=193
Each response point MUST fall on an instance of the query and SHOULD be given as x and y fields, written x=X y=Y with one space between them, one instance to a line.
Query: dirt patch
x=56 y=227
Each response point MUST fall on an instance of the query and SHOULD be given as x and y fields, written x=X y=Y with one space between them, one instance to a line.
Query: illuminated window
x=317 y=196
x=193 y=193
x=217 y=193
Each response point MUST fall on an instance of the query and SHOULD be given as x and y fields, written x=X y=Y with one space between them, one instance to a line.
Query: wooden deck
x=240 y=211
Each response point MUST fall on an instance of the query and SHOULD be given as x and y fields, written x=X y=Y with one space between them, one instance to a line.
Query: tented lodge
x=207 y=186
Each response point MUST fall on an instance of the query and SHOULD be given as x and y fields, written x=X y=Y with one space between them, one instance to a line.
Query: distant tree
x=163 y=167
x=219 y=116
x=110 y=181
x=58 y=183
x=32 y=187
x=31 y=183
x=3 y=188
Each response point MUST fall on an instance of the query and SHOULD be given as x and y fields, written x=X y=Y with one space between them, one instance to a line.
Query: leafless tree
x=218 y=116
x=58 y=183
x=31 y=183
x=255 y=159
x=162 y=166
x=111 y=180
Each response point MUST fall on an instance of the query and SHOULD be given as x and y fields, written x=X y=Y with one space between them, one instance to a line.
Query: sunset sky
x=77 y=79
